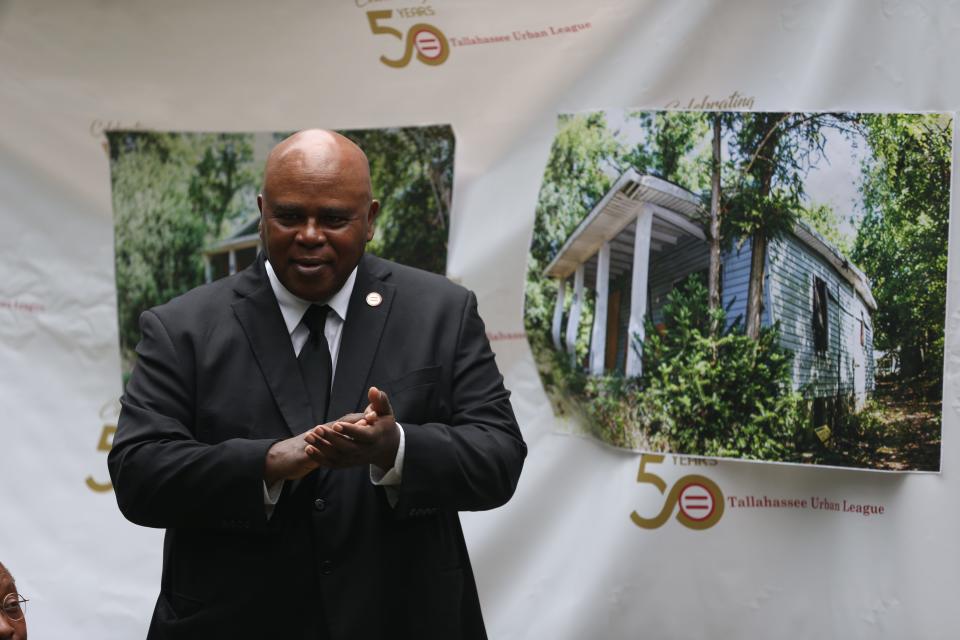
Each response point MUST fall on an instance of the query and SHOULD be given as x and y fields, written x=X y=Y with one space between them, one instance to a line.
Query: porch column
x=233 y=262
x=573 y=320
x=598 y=340
x=638 y=291
x=207 y=269
x=558 y=313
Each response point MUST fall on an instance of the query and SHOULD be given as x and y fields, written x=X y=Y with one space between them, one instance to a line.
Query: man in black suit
x=281 y=522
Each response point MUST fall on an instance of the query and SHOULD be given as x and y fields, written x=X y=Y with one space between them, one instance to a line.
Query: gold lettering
x=105 y=444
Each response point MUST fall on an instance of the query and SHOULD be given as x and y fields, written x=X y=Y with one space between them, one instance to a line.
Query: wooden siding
x=792 y=268
x=735 y=285
x=871 y=370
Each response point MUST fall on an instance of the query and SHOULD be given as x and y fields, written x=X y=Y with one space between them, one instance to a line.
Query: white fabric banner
x=563 y=559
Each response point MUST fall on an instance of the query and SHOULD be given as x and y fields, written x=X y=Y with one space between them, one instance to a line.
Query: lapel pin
x=374 y=299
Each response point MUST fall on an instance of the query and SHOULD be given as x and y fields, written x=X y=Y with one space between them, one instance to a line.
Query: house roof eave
x=841 y=263
x=601 y=224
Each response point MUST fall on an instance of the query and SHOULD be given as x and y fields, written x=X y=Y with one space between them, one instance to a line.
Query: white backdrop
x=562 y=559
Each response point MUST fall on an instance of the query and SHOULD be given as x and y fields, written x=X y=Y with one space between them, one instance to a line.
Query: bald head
x=327 y=155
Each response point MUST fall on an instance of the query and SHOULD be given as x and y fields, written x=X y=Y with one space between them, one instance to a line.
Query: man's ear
x=260 y=204
x=372 y=218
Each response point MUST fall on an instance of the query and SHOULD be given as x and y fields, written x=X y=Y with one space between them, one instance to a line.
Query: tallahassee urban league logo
x=699 y=498
x=426 y=40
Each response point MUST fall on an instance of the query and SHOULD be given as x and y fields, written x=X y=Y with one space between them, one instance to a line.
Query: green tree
x=824 y=220
x=411 y=170
x=157 y=235
x=902 y=240
x=716 y=179
x=720 y=394
x=172 y=194
x=584 y=160
x=668 y=146
x=773 y=153
x=223 y=171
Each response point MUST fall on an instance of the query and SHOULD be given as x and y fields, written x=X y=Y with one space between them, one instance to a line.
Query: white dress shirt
x=293 y=308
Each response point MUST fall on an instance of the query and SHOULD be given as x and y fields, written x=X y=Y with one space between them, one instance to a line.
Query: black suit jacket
x=216 y=384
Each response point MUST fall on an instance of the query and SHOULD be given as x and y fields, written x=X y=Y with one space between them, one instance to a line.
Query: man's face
x=9 y=629
x=316 y=219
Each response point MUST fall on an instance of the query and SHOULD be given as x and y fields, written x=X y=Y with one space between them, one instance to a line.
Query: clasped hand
x=371 y=437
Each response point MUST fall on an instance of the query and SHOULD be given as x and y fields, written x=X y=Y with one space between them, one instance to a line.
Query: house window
x=820 y=317
x=863 y=332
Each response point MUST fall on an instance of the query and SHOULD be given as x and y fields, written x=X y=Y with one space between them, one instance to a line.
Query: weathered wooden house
x=645 y=236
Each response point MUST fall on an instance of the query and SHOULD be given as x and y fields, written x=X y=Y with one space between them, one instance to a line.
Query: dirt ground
x=897 y=432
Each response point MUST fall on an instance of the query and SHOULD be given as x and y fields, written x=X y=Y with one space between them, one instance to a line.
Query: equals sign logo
x=696 y=502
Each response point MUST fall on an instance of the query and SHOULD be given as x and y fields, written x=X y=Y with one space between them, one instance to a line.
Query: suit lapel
x=361 y=338
x=259 y=315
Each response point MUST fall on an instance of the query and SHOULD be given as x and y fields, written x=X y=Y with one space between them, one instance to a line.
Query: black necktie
x=315 y=364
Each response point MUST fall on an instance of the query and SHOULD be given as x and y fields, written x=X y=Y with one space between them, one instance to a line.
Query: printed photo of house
x=645 y=340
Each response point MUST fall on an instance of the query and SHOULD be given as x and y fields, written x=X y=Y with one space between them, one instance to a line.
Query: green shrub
x=723 y=395
x=613 y=409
